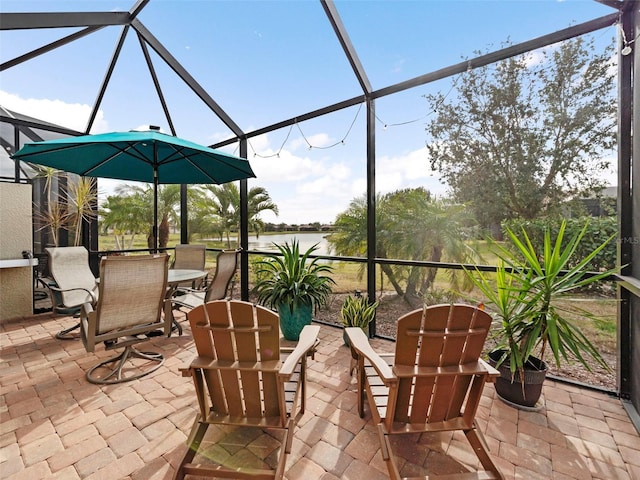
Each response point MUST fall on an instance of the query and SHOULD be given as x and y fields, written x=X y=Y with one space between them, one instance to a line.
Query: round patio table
x=174 y=278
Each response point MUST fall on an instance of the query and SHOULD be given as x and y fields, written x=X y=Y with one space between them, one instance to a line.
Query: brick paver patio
x=57 y=425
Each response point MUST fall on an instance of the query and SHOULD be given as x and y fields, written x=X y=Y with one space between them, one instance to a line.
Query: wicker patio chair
x=71 y=283
x=242 y=378
x=129 y=310
x=433 y=382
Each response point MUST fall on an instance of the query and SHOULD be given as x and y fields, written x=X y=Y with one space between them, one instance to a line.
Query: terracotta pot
x=515 y=391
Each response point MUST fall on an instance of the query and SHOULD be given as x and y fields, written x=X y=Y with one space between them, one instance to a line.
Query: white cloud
x=410 y=169
x=534 y=58
x=317 y=140
x=305 y=187
x=69 y=115
x=398 y=65
x=286 y=168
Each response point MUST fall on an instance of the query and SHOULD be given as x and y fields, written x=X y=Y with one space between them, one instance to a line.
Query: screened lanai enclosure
x=400 y=141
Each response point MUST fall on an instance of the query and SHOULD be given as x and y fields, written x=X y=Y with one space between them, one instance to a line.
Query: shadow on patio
x=57 y=425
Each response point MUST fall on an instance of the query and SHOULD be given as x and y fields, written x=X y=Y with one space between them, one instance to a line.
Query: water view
x=306 y=240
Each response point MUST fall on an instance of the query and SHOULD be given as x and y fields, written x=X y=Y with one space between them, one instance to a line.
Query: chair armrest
x=360 y=343
x=88 y=326
x=307 y=341
x=186 y=290
x=89 y=292
x=492 y=371
x=479 y=367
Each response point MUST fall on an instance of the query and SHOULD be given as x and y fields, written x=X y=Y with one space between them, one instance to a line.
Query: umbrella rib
x=26 y=155
x=120 y=150
x=179 y=154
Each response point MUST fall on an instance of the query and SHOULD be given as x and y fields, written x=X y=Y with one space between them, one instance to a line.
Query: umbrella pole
x=155 y=198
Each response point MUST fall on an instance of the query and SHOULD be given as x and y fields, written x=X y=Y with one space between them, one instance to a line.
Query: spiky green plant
x=357 y=312
x=292 y=278
x=526 y=293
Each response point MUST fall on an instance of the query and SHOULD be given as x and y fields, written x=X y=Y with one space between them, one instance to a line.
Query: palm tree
x=411 y=225
x=168 y=200
x=124 y=215
x=224 y=202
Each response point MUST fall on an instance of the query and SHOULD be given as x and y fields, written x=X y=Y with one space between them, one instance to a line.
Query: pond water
x=306 y=240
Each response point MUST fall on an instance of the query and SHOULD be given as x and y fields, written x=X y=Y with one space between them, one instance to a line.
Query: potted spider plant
x=356 y=311
x=526 y=295
x=293 y=284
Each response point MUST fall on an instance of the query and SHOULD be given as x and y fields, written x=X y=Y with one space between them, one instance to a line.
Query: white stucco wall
x=16 y=283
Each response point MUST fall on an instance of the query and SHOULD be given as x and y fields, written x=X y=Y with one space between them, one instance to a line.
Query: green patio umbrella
x=144 y=156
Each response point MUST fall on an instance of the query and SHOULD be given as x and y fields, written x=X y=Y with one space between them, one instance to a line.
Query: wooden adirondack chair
x=243 y=378
x=432 y=383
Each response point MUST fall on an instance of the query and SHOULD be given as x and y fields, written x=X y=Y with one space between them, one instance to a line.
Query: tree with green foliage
x=168 y=201
x=523 y=135
x=224 y=202
x=124 y=215
x=411 y=225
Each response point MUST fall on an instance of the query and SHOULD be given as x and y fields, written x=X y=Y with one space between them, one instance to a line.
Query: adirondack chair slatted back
x=438 y=336
x=242 y=340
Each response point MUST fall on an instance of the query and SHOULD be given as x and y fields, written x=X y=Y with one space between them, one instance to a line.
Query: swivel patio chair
x=71 y=284
x=433 y=382
x=214 y=289
x=242 y=378
x=190 y=257
x=129 y=310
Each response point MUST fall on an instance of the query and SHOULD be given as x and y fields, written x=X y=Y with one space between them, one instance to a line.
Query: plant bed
x=393 y=307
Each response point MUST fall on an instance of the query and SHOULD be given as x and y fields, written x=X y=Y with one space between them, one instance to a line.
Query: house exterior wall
x=16 y=283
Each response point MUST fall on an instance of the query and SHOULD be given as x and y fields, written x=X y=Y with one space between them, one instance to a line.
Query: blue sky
x=265 y=61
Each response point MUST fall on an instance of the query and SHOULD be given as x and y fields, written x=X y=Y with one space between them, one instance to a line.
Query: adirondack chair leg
x=385 y=447
x=289 y=439
x=387 y=454
x=481 y=449
x=361 y=385
x=198 y=430
x=303 y=384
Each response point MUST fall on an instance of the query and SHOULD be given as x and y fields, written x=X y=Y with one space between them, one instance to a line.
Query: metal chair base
x=116 y=372
x=64 y=334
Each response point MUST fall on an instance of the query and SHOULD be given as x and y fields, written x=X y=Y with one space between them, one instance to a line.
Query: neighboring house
x=603 y=203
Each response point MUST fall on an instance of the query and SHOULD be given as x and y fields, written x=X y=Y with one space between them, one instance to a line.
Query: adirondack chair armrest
x=479 y=367
x=306 y=342
x=360 y=343
x=493 y=373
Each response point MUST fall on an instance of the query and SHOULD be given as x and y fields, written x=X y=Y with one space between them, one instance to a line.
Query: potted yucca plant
x=526 y=296
x=293 y=284
x=356 y=311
